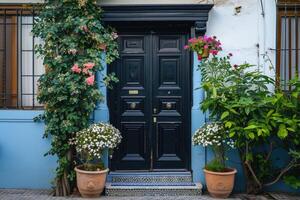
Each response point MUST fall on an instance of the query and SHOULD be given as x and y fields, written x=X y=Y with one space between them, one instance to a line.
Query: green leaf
x=214 y=92
x=249 y=157
x=270 y=113
x=224 y=115
x=292 y=181
x=231 y=134
x=282 y=132
x=251 y=127
x=251 y=135
x=233 y=111
x=247 y=110
x=228 y=124
x=259 y=132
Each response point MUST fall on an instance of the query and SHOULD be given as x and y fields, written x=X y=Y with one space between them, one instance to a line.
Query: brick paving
x=10 y=194
x=6 y=194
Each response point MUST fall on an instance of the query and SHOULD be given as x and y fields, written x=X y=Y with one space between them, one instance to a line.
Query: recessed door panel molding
x=169 y=137
x=169 y=72
x=169 y=44
x=133 y=44
x=133 y=72
x=134 y=141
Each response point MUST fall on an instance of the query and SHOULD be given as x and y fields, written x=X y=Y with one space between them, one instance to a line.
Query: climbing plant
x=74 y=41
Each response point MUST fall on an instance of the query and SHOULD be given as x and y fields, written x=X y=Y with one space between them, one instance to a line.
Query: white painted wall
x=248 y=34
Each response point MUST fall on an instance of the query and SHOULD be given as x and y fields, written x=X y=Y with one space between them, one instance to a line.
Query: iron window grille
x=288 y=41
x=20 y=68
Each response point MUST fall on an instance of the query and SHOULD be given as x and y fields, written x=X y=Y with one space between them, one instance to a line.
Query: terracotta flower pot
x=90 y=183
x=220 y=184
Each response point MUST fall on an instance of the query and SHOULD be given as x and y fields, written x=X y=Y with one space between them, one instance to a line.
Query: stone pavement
x=6 y=194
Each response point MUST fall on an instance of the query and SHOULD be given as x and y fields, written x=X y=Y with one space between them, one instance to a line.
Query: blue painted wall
x=22 y=149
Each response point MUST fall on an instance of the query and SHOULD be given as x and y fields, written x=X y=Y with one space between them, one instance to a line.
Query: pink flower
x=186 y=47
x=76 y=68
x=199 y=57
x=89 y=65
x=85 y=71
x=206 y=47
x=214 y=52
x=90 y=80
x=192 y=40
x=210 y=40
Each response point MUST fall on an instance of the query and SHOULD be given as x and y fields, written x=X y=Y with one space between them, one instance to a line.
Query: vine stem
x=253 y=174
x=285 y=170
x=250 y=168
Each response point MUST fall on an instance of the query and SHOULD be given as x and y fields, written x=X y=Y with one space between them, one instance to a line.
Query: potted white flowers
x=90 y=144
x=219 y=178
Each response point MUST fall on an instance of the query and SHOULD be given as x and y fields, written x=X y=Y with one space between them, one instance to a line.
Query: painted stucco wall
x=22 y=150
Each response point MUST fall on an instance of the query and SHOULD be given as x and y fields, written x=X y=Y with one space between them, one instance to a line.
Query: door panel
x=150 y=104
x=128 y=109
x=168 y=96
x=133 y=72
x=134 y=141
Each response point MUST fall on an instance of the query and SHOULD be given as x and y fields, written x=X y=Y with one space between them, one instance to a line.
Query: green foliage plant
x=74 y=41
x=257 y=118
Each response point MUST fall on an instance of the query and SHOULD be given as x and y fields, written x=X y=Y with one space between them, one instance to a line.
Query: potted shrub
x=204 y=46
x=90 y=144
x=219 y=178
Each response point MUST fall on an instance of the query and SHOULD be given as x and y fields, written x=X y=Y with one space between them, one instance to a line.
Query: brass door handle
x=154 y=119
x=169 y=105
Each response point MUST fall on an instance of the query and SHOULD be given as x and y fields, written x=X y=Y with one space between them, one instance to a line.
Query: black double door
x=151 y=103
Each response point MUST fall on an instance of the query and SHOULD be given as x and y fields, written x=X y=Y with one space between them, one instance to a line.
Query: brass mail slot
x=133 y=92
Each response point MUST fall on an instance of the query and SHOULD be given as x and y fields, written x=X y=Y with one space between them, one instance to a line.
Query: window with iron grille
x=20 y=68
x=288 y=41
